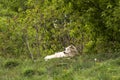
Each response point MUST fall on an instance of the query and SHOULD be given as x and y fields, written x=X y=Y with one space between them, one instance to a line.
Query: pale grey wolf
x=69 y=51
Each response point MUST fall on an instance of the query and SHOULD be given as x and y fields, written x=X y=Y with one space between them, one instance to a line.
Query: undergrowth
x=78 y=68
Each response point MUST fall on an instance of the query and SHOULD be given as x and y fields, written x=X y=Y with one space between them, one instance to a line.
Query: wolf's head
x=71 y=50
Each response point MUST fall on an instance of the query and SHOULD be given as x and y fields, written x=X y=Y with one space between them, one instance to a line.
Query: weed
x=11 y=64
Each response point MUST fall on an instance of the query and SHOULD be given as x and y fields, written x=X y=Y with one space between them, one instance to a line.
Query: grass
x=77 y=68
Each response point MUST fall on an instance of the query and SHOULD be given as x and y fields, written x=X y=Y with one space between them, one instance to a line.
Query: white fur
x=70 y=51
x=56 y=55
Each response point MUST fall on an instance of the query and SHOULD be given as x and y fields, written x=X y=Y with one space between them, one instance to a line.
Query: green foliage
x=40 y=27
x=29 y=73
x=11 y=64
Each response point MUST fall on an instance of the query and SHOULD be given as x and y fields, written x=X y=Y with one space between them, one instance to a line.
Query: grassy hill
x=78 y=68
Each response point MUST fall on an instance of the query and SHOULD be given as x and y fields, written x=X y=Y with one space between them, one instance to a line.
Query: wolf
x=69 y=51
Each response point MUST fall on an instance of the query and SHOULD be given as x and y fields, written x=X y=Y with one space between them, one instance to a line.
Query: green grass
x=77 y=68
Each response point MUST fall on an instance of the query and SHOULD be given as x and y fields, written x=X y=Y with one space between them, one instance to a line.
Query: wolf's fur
x=70 y=51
